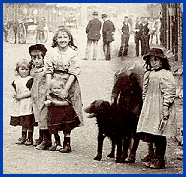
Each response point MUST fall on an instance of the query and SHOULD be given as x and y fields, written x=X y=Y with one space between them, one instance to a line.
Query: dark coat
x=144 y=30
x=107 y=31
x=93 y=29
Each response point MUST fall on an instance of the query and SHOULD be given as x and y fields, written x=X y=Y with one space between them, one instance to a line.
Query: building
x=171 y=16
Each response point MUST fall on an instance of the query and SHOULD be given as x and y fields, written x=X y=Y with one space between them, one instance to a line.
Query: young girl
x=63 y=59
x=22 y=106
x=61 y=115
x=158 y=105
x=38 y=95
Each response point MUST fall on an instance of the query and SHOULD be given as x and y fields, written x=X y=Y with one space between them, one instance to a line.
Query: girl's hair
x=71 y=41
x=165 y=63
x=23 y=63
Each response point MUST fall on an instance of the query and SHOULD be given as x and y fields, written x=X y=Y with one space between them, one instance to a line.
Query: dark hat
x=95 y=13
x=103 y=15
x=39 y=47
x=155 y=52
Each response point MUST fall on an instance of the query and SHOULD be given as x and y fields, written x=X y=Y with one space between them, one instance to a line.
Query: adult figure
x=15 y=26
x=40 y=30
x=157 y=27
x=5 y=30
x=107 y=33
x=93 y=35
x=144 y=32
x=125 y=34
x=137 y=35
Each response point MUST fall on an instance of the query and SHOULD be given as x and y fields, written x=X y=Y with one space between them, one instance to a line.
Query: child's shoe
x=29 y=142
x=157 y=164
x=66 y=146
x=44 y=145
x=55 y=148
x=21 y=140
x=147 y=161
x=37 y=142
x=131 y=158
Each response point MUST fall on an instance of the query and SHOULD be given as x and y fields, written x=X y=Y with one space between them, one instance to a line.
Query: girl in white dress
x=158 y=105
x=22 y=113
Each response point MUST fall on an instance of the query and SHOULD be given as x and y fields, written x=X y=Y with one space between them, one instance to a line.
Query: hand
x=47 y=103
x=64 y=93
x=17 y=96
x=165 y=112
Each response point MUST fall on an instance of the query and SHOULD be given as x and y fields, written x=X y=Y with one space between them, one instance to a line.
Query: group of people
x=93 y=35
x=47 y=95
x=144 y=33
x=20 y=30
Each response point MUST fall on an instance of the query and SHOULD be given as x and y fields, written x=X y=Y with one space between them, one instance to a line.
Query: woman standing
x=62 y=59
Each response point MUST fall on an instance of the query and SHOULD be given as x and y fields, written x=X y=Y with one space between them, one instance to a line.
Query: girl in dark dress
x=61 y=115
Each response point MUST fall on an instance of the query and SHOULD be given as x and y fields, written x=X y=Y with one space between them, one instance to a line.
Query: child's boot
x=44 y=145
x=150 y=156
x=29 y=141
x=23 y=138
x=39 y=141
x=57 y=145
x=66 y=146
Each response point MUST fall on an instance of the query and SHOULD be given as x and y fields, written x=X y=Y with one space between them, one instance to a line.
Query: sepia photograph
x=93 y=88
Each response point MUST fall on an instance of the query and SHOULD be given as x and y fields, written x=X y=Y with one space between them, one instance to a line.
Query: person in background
x=93 y=36
x=22 y=113
x=145 y=36
x=40 y=29
x=137 y=35
x=107 y=34
x=125 y=34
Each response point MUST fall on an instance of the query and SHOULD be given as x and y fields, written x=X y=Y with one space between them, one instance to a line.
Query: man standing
x=137 y=35
x=107 y=33
x=145 y=36
x=125 y=38
x=93 y=35
x=40 y=30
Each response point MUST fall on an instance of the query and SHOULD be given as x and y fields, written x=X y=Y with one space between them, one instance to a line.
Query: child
x=22 y=106
x=62 y=60
x=61 y=114
x=38 y=95
x=158 y=105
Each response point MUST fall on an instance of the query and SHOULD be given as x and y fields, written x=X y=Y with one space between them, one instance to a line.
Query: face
x=24 y=71
x=126 y=20
x=155 y=62
x=63 y=39
x=56 y=89
x=37 y=58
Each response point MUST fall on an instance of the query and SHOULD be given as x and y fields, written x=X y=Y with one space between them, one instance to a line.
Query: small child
x=61 y=114
x=22 y=105
x=38 y=95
